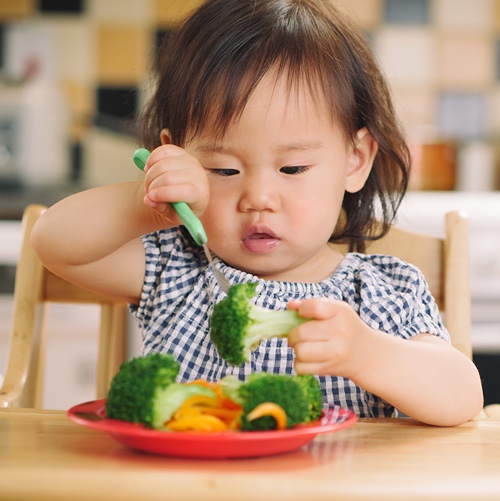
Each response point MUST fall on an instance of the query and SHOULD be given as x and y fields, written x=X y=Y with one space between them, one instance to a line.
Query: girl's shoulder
x=379 y=268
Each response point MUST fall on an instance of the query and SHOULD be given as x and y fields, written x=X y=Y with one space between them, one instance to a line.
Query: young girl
x=272 y=121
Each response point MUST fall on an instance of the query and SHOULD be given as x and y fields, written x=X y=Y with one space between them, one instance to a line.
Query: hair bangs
x=225 y=68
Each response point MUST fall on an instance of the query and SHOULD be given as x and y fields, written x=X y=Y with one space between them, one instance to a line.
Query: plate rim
x=125 y=428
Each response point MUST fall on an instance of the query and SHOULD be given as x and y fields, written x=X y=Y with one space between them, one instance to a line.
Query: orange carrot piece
x=269 y=409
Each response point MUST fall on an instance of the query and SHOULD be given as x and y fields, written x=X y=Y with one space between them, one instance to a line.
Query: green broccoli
x=144 y=391
x=314 y=396
x=299 y=396
x=238 y=325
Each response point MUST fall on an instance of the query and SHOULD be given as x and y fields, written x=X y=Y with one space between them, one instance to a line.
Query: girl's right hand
x=174 y=175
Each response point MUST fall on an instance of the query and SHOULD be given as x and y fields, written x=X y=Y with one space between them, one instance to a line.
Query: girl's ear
x=361 y=160
x=165 y=137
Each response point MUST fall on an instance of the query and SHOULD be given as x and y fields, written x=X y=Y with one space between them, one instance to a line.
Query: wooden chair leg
x=111 y=346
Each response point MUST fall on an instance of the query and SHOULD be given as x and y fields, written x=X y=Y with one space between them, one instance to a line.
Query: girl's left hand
x=336 y=342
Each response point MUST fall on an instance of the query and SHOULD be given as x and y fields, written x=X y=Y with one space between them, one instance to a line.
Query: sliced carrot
x=219 y=413
x=227 y=403
x=269 y=409
x=226 y=414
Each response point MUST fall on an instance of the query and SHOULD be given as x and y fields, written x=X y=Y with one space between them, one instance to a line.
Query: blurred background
x=74 y=73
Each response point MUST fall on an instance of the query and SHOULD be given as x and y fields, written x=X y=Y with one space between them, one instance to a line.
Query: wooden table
x=44 y=456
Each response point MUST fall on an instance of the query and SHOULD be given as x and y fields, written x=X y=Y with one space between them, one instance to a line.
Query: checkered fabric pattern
x=180 y=291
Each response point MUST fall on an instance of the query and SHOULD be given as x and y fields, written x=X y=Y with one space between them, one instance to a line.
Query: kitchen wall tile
x=122 y=54
x=365 y=13
x=170 y=11
x=465 y=61
x=407 y=54
x=406 y=11
x=119 y=11
x=496 y=15
x=75 y=49
x=108 y=158
x=61 y=6
x=117 y=101
x=13 y=9
x=416 y=108
x=462 y=115
x=494 y=112
x=475 y=15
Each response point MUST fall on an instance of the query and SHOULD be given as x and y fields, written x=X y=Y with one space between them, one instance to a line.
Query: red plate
x=229 y=444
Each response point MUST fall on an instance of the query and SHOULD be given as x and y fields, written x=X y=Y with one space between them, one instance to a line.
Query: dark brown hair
x=213 y=61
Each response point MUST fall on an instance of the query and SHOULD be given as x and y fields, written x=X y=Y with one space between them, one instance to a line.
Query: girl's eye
x=295 y=169
x=225 y=172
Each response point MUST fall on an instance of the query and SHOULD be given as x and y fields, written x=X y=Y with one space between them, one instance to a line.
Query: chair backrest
x=36 y=287
x=444 y=262
x=445 y=265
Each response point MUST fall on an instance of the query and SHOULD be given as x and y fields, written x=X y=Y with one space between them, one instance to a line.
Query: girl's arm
x=93 y=238
x=424 y=377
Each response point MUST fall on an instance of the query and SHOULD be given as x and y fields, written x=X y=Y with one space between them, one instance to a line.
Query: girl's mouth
x=260 y=240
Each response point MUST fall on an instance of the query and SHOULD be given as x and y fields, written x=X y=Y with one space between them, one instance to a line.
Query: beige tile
x=80 y=97
x=465 y=61
x=75 y=47
x=171 y=11
x=475 y=15
x=108 y=158
x=494 y=112
x=13 y=9
x=120 y=11
x=416 y=109
x=496 y=15
x=122 y=54
x=365 y=13
x=407 y=54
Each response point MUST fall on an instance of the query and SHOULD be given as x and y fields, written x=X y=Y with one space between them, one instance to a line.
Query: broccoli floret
x=238 y=325
x=144 y=391
x=296 y=395
x=314 y=396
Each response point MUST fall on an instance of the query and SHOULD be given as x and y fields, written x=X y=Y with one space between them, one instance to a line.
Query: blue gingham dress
x=180 y=291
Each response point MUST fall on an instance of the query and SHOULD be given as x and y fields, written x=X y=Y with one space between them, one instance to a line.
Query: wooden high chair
x=445 y=265
x=36 y=287
x=444 y=262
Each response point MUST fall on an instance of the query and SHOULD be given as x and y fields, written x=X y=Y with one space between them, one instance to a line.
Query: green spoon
x=189 y=220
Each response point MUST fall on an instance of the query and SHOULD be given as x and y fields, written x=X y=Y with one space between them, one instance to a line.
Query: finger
x=166 y=172
x=311 y=352
x=294 y=304
x=164 y=209
x=317 y=369
x=164 y=151
x=171 y=193
x=310 y=331
x=319 y=308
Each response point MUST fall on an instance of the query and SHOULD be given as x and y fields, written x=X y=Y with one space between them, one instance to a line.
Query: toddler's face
x=277 y=180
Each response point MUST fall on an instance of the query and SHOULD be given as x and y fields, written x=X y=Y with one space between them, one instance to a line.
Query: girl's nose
x=259 y=195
